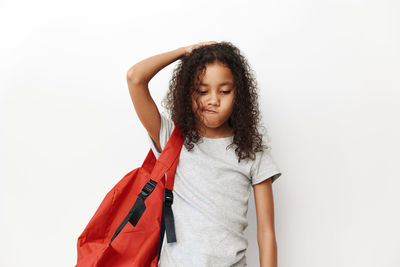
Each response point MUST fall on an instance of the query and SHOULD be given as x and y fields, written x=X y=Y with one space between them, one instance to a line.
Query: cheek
x=194 y=104
x=229 y=103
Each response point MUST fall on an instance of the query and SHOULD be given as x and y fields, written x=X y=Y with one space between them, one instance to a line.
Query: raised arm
x=138 y=77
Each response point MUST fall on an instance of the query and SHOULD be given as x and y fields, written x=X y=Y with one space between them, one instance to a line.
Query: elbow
x=266 y=238
x=266 y=233
x=136 y=77
x=131 y=76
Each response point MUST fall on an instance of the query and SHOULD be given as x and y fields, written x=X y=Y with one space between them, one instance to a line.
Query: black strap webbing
x=138 y=208
x=169 y=216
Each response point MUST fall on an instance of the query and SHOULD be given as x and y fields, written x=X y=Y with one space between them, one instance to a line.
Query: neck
x=220 y=132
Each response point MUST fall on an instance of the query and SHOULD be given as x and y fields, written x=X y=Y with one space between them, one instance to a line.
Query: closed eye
x=225 y=92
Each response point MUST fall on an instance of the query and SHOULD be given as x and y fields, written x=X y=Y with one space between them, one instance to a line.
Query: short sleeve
x=264 y=166
x=167 y=127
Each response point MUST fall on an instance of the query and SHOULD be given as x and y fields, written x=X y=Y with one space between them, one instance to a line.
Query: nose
x=214 y=99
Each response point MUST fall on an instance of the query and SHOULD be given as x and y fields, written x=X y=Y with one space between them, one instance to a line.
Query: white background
x=328 y=73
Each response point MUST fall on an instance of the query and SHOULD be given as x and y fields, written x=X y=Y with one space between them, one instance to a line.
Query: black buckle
x=168 y=197
x=148 y=188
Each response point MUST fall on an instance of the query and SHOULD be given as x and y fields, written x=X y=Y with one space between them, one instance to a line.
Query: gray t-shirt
x=210 y=203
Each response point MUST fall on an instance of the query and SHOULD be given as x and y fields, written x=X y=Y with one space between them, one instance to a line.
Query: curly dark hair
x=245 y=117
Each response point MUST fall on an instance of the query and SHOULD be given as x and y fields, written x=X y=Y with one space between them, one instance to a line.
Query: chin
x=213 y=125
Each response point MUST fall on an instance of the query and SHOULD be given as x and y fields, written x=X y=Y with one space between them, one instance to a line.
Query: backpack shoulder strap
x=169 y=154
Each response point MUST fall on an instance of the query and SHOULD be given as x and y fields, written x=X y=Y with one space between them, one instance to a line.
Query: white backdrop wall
x=328 y=74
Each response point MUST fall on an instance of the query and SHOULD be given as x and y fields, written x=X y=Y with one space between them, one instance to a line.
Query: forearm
x=267 y=250
x=144 y=70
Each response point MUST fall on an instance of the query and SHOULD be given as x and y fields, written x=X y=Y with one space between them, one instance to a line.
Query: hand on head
x=189 y=48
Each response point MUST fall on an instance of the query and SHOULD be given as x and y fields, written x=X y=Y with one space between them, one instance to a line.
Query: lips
x=210 y=111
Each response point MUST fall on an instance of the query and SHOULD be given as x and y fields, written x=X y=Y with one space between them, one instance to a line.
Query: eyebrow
x=223 y=83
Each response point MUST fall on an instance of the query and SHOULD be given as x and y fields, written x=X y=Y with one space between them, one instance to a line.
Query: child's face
x=216 y=93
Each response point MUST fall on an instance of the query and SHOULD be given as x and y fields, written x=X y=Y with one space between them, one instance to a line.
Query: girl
x=212 y=98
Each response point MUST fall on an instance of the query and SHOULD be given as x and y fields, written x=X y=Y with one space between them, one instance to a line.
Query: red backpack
x=128 y=226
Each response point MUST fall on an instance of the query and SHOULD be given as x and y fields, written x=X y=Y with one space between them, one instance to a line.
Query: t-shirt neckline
x=218 y=138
